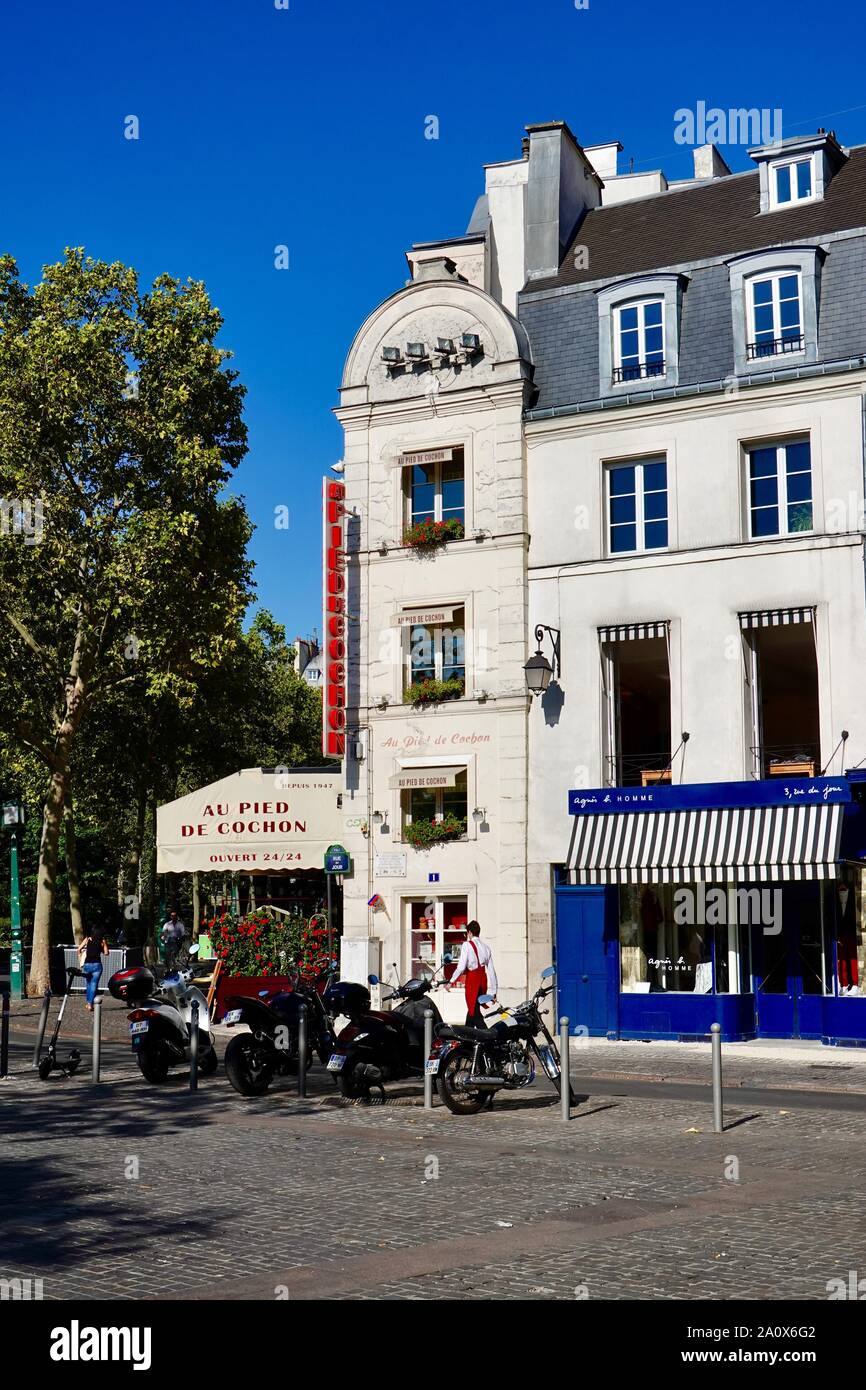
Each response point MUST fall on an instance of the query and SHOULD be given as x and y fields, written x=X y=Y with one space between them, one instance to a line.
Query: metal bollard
x=428 y=1048
x=96 y=1055
x=193 y=1046
x=716 y=1043
x=4 y=1038
x=565 y=1078
x=40 y=1030
x=302 y=1051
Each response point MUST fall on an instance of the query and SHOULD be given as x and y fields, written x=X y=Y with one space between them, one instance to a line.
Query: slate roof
x=705 y=222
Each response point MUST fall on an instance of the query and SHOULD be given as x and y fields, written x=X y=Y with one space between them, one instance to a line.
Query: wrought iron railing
x=787 y=759
x=775 y=347
x=639 y=769
x=638 y=371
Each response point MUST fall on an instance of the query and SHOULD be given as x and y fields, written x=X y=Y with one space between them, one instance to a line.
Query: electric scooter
x=49 y=1062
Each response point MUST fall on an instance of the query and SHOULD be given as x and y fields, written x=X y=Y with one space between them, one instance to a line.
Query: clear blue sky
x=305 y=127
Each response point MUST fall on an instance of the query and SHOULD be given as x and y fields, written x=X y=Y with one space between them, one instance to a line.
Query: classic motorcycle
x=471 y=1064
x=160 y=1021
x=271 y=1047
x=380 y=1045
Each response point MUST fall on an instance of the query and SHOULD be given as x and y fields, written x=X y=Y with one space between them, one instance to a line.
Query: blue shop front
x=741 y=903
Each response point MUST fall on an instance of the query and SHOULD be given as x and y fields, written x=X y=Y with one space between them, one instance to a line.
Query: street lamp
x=13 y=816
x=538 y=670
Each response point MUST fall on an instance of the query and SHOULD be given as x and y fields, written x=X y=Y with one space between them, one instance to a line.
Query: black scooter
x=380 y=1045
x=49 y=1062
x=271 y=1047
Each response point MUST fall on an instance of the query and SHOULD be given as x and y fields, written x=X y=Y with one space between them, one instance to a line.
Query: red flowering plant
x=256 y=944
x=426 y=535
x=315 y=956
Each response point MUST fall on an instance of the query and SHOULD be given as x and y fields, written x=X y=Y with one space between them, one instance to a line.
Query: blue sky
x=305 y=127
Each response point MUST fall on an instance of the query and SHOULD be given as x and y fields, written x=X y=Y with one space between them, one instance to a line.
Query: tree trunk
x=75 y=910
x=251 y=901
x=196 y=907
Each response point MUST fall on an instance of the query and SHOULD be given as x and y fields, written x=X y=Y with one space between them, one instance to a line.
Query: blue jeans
x=92 y=972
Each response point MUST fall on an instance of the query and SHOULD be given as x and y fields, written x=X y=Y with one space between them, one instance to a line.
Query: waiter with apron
x=476 y=963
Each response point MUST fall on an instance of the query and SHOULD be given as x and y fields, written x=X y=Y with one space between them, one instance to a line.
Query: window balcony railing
x=775 y=347
x=787 y=759
x=638 y=371
x=639 y=769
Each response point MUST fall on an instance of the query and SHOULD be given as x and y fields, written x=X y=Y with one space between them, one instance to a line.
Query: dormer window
x=792 y=181
x=639 y=347
x=775 y=316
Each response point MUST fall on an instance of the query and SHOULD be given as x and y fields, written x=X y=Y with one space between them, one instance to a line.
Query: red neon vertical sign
x=334 y=619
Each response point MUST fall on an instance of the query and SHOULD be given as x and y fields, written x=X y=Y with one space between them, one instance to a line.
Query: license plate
x=337 y=1062
x=138 y=1027
x=233 y=1016
x=433 y=1066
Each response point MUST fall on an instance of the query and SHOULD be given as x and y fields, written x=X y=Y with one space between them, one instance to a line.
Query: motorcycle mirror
x=262 y=993
x=551 y=970
x=372 y=979
x=194 y=950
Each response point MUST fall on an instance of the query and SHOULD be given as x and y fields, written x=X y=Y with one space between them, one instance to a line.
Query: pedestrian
x=173 y=933
x=476 y=963
x=91 y=949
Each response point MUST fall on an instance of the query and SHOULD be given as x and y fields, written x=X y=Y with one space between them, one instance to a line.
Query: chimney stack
x=709 y=163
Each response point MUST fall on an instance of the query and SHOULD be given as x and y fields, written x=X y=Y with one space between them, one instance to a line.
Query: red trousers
x=476 y=984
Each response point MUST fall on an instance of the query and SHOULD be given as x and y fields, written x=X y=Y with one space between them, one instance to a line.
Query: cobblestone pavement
x=784 y=1063
x=128 y=1191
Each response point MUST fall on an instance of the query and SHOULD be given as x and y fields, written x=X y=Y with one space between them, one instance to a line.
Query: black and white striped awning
x=777 y=617
x=724 y=845
x=632 y=632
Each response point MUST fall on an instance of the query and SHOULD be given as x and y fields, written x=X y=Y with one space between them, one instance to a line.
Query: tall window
x=639 y=340
x=792 y=182
x=437 y=651
x=775 y=316
x=436 y=491
x=637 y=500
x=435 y=803
x=780 y=489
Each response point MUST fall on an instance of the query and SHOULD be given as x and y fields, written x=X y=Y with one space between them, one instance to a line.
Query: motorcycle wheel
x=352 y=1087
x=248 y=1066
x=458 y=1100
x=208 y=1062
x=153 y=1063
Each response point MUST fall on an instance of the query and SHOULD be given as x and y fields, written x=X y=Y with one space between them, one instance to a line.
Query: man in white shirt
x=476 y=963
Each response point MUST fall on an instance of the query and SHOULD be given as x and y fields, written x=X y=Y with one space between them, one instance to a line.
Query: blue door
x=587 y=959
x=790 y=965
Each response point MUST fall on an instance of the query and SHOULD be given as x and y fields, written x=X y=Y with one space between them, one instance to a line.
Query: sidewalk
x=763 y=1062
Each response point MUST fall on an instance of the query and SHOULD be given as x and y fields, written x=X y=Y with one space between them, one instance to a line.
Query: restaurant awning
x=725 y=844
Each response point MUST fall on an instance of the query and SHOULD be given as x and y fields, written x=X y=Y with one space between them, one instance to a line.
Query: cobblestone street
x=130 y=1191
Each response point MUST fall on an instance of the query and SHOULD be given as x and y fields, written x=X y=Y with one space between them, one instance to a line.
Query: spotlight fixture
x=338 y=467
x=417 y=352
x=470 y=342
x=479 y=814
x=445 y=346
x=378 y=818
x=392 y=356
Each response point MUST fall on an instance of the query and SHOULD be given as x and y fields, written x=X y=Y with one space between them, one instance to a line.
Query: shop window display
x=659 y=951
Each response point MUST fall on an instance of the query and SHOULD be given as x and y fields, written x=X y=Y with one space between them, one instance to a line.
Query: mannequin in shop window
x=846 y=937
x=652 y=920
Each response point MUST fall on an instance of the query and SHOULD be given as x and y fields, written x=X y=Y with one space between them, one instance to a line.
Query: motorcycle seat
x=465 y=1034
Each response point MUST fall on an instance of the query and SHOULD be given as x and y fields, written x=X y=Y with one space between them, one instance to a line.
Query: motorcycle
x=271 y=1047
x=379 y=1045
x=471 y=1064
x=160 y=1022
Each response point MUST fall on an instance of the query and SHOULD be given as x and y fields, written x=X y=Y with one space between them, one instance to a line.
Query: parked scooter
x=160 y=1022
x=271 y=1047
x=472 y=1064
x=49 y=1062
x=379 y=1045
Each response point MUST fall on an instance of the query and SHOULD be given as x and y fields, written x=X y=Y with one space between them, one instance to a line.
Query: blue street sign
x=337 y=860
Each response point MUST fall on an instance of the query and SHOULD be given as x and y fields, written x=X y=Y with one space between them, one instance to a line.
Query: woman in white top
x=476 y=963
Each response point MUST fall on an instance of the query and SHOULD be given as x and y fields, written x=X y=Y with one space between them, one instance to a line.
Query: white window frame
x=437 y=485
x=438 y=630
x=438 y=797
x=780 y=445
x=642 y=548
x=796 y=199
x=640 y=305
x=774 y=277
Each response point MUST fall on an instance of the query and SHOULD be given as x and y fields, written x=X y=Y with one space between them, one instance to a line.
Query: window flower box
x=422 y=834
x=433 y=692
x=427 y=535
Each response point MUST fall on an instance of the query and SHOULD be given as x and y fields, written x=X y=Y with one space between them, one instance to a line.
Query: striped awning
x=777 y=617
x=632 y=632
x=724 y=845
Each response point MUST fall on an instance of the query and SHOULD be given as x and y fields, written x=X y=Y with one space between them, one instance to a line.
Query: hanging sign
x=425 y=617
x=428 y=456
x=414 y=778
x=334 y=619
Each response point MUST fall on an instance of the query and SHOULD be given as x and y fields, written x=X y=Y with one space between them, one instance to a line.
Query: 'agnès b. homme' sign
x=334 y=619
